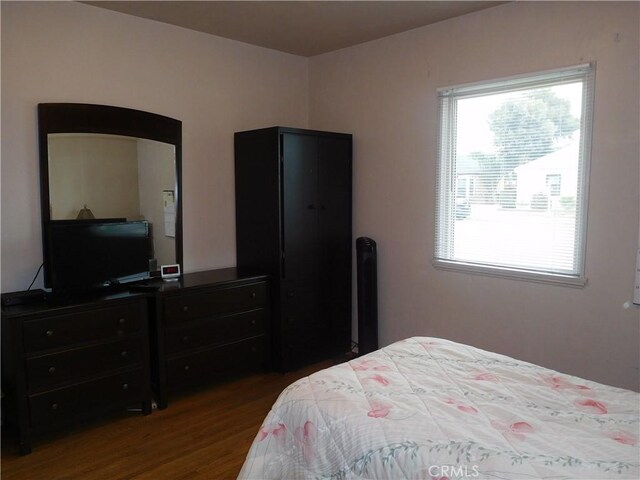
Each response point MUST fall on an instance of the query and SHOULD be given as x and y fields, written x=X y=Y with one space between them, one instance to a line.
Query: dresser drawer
x=48 y=370
x=205 y=365
x=214 y=302
x=58 y=406
x=64 y=330
x=218 y=330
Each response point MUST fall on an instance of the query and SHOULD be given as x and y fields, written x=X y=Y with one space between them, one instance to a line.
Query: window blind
x=512 y=178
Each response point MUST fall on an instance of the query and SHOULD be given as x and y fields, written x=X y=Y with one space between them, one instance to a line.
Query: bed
x=429 y=408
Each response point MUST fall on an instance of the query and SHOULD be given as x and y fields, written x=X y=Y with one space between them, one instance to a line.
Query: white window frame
x=448 y=97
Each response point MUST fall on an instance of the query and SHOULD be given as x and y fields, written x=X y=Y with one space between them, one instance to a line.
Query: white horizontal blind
x=512 y=175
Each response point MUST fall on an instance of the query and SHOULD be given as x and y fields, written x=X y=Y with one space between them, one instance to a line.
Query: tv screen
x=87 y=255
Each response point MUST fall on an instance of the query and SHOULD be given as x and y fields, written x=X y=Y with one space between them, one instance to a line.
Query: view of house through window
x=511 y=182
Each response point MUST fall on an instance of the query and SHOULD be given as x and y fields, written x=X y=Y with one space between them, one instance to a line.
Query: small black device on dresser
x=208 y=325
x=68 y=361
x=26 y=297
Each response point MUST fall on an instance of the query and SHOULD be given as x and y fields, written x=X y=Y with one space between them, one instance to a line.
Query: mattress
x=429 y=408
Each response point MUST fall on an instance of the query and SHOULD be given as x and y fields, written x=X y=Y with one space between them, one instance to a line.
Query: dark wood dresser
x=209 y=325
x=65 y=362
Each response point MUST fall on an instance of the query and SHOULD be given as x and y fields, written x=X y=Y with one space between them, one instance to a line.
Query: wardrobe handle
x=49 y=333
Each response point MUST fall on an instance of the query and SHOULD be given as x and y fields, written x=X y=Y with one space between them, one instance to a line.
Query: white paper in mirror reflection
x=169 y=200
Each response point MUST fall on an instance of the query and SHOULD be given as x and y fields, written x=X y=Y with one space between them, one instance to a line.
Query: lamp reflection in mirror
x=85 y=214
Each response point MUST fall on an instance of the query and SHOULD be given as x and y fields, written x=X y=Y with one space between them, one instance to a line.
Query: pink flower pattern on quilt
x=305 y=437
x=591 y=406
x=486 y=376
x=278 y=432
x=371 y=365
x=380 y=379
x=399 y=410
x=561 y=383
x=379 y=410
x=514 y=431
x=460 y=406
x=625 y=438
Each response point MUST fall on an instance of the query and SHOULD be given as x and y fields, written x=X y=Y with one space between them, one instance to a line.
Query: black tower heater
x=367 y=259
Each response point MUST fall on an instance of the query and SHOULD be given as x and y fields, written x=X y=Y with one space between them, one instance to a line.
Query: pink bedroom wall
x=72 y=52
x=384 y=92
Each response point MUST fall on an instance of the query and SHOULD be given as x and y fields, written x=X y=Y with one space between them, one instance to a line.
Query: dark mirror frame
x=88 y=118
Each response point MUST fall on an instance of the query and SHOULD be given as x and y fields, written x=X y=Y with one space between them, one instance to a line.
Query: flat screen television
x=88 y=255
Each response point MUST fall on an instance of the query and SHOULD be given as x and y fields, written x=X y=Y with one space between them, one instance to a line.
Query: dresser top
x=194 y=280
x=208 y=278
x=54 y=304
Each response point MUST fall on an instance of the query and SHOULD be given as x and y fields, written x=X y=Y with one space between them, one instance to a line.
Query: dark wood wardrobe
x=293 y=221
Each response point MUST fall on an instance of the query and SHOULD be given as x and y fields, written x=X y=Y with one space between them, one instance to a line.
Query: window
x=553 y=183
x=523 y=143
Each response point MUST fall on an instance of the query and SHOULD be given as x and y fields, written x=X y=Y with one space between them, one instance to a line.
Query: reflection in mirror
x=113 y=176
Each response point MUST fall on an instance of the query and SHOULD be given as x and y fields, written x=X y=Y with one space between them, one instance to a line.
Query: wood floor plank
x=204 y=434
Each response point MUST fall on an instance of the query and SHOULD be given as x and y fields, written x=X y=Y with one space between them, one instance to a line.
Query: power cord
x=36 y=276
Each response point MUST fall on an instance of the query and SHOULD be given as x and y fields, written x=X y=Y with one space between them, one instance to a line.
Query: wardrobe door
x=334 y=198
x=300 y=194
x=299 y=294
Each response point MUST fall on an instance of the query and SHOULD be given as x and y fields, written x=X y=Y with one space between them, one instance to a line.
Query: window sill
x=510 y=273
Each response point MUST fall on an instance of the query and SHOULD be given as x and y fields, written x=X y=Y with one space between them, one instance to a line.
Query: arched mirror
x=107 y=163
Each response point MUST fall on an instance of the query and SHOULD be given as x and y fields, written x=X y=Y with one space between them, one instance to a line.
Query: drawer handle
x=54 y=406
x=122 y=320
x=49 y=333
x=185 y=338
x=186 y=368
x=124 y=353
x=185 y=308
x=120 y=333
x=125 y=386
x=253 y=349
x=52 y=369
x=253 y=322
x=253 y=294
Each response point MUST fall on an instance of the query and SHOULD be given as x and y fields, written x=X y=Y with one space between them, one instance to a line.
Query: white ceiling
x=304 y=28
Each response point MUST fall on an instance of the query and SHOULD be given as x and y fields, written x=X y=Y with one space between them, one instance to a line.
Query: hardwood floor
x=205 y=434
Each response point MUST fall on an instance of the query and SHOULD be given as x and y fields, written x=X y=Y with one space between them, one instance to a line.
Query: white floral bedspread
x=428 y=408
